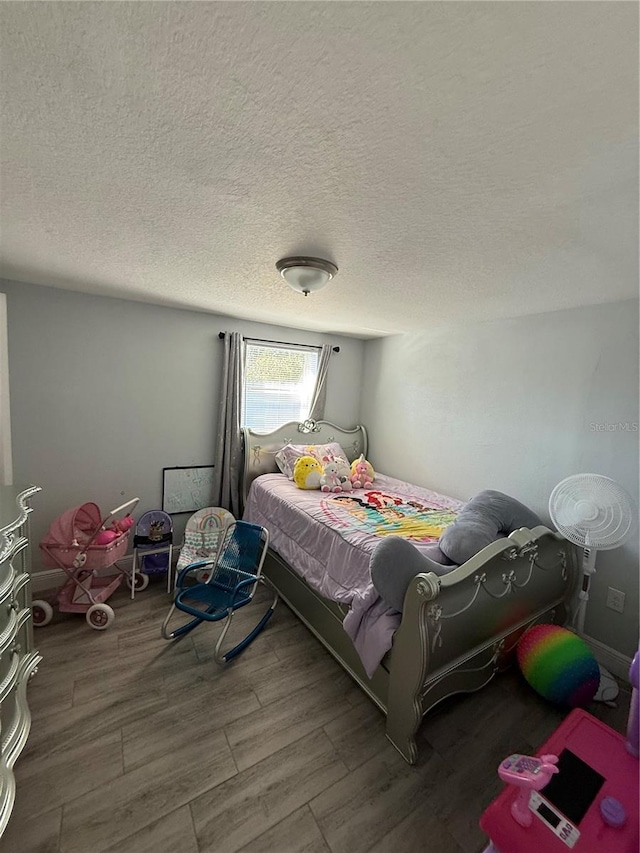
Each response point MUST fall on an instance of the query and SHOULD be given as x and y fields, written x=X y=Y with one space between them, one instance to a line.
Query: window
x=279 y=381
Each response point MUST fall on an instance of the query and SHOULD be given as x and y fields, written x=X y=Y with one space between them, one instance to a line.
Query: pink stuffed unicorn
x=362 y=473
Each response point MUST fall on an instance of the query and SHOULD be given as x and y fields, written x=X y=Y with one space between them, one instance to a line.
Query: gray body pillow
x=487 y=517
x=396 y=561
x=483 y=520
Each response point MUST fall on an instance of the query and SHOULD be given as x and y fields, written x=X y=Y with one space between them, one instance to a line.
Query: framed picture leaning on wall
x=187 y=488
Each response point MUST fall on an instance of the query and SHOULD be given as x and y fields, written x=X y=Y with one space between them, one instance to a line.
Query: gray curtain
x=228 y=449
x=316 y=412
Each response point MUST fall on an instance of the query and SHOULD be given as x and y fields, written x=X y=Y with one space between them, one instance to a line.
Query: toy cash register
x=580 y=794
x=528 y=774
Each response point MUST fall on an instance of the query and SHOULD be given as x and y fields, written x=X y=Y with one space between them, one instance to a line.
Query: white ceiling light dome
x=306 y=275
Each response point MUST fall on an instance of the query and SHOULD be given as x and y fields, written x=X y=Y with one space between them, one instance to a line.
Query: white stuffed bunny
x=330 y=480
x=344 y=472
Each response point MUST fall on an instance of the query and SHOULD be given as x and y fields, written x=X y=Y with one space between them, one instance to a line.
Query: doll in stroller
x=81 y=544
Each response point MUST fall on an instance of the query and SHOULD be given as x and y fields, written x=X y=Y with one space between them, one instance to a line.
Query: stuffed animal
x=307 y=472
x=330 y=480
x=117 y=528
x=362 y=473
x=106 y=537
x=123 y=524
x=344 y=472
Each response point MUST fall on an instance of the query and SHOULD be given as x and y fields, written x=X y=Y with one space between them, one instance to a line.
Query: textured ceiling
x=456 y=160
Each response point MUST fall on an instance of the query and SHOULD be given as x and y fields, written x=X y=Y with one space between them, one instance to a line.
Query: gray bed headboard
x=260 y=448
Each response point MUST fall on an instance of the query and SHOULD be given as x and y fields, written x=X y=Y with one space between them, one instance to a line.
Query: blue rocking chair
x=231 y=581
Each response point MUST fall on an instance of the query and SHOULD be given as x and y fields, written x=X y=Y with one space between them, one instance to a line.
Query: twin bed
x=459 y=624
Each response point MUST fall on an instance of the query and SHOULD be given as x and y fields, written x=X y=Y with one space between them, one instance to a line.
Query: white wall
x=510 y=405
x=107 y=392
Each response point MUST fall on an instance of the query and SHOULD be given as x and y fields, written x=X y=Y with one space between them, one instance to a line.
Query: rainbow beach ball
x=558 y=665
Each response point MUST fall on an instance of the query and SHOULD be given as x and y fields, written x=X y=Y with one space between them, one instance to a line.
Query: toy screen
x=550 y=817
x=574 y=788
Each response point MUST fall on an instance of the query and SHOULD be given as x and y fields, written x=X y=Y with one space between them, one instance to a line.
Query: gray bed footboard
x=457 y=631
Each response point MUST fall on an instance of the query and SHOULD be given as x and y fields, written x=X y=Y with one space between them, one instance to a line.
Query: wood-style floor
x=141 y=746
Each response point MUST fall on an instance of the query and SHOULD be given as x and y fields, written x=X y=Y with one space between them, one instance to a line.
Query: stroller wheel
x=100 y=616
x=41 y=612
x=142 y=581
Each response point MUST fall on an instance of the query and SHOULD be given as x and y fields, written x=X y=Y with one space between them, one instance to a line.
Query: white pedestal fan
x=595 y=513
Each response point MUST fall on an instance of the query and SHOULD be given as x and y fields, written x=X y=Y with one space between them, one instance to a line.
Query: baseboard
x=53 y=578
x=617 y=663
x=46 y=580
x=49 y=579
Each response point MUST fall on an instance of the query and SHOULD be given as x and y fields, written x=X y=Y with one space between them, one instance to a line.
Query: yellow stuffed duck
x=307 y=473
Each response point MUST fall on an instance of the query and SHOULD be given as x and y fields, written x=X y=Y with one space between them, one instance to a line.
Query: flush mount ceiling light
x=306 y=275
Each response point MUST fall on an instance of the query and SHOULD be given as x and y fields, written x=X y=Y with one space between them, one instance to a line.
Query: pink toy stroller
x=80 y=543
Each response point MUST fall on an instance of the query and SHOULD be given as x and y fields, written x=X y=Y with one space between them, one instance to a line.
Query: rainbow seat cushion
x=558 y=665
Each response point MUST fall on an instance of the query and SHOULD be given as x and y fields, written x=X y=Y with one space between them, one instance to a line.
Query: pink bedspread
x=328 y=538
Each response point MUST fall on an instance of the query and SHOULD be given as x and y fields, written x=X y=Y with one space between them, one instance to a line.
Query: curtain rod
x=280 y=343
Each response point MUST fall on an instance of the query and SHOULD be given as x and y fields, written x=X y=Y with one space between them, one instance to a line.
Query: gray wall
x=107 y=392
x=510 y=406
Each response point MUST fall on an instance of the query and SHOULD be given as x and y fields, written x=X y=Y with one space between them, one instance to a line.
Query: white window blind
x=278 y=385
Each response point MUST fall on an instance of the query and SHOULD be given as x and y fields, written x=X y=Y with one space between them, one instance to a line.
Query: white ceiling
x=456 y=160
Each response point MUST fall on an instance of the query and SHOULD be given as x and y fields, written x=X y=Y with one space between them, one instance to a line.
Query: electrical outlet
x=615 y=599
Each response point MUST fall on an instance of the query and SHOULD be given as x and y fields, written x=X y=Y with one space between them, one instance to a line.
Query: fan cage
x=592 y=511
